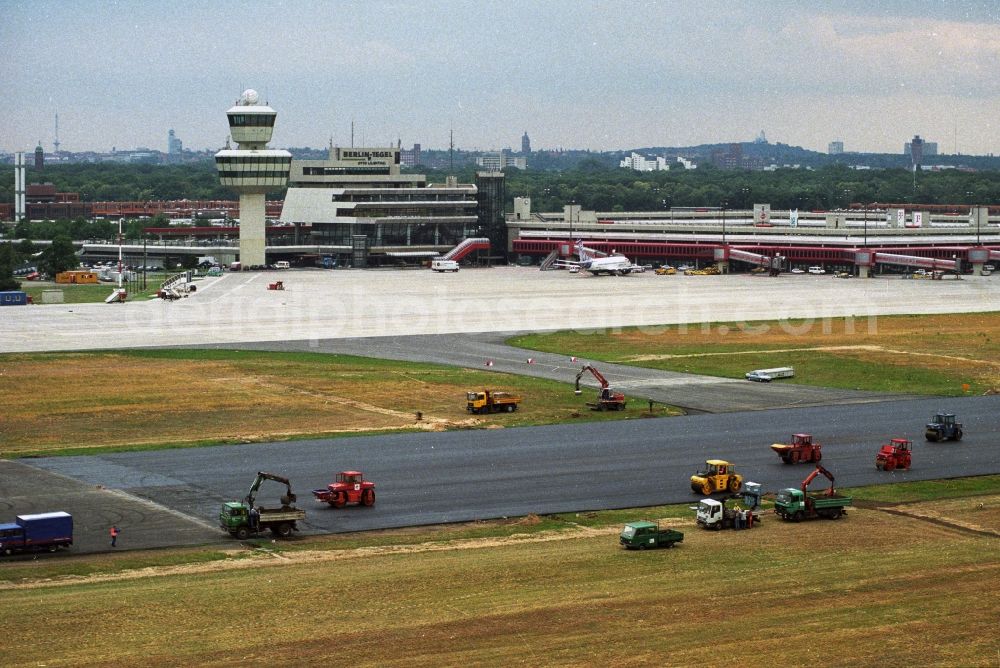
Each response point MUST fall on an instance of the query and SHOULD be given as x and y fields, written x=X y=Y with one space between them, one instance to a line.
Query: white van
x=767 y=375
x=444 y=265
x=281 y=264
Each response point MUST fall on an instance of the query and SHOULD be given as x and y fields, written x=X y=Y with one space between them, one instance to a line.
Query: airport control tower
x=252 y=170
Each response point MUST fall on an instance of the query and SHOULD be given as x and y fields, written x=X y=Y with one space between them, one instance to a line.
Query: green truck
x=800 y=504
x=643 y=535
x=242 y=519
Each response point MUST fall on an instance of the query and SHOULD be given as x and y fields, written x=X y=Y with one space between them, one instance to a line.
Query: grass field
x=81 y=402
x=876 y=588
x=945 y=355
x=83 y=294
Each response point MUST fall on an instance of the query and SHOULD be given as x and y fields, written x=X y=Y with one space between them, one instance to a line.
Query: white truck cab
x=444 y=265
x=281 y=264
x=709 y=513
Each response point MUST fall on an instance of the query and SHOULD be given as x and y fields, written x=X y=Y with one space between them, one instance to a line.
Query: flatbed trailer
x=237 y=520
x=790 y=505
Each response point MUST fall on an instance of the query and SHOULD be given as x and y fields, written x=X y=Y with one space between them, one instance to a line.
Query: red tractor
x=350 y=487
x=894 y=455
x=801 y=449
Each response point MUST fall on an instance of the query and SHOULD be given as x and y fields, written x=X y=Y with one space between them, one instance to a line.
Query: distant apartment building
x=733 y=158
x=641 y=163
x=39 y=156
x=927 y=148
x=525 y=143
x=489 y=162
x=500 y=161
x=916 y=146
x=835 y=148
x=174 y=145
x=409 y=157
x=138 y=155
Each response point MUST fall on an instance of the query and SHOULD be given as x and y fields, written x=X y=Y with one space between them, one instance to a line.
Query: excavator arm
x=597 y=374
x=286 y=500
x=812 y=476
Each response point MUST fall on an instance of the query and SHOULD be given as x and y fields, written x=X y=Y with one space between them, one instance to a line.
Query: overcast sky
x=573 y=73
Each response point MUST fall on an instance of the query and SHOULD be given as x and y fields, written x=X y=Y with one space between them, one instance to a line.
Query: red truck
x=349 y=487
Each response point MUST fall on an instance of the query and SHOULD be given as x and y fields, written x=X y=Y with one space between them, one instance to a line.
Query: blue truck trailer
x=41 y=531
x=13 y=298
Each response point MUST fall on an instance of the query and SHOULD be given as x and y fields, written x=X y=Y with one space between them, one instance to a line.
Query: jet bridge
x=775 y=264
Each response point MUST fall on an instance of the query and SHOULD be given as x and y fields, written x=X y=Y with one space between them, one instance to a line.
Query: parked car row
x=114 y=266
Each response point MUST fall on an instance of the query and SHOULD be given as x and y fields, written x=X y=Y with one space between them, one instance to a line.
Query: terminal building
x=855 y=238
x=359 y=203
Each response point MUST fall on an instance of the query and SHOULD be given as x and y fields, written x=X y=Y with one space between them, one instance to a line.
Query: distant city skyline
x=579 y=75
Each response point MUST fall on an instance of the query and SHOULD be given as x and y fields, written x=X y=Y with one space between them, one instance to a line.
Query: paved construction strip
x=694 y=393
x=428 y=478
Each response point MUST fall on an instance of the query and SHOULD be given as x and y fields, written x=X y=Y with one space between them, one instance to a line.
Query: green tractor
x=943 y=427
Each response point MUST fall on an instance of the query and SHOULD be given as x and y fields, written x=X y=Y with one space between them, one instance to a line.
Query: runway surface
x=467 y=475
x=318 y=305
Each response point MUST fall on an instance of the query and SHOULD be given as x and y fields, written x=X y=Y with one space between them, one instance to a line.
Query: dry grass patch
x=108 y=399
x=977 y=513
x=89 y=400
x=851 y=592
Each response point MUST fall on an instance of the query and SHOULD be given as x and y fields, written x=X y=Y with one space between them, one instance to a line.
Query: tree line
x=602 y=189
x=592 y=184
x=57 y=257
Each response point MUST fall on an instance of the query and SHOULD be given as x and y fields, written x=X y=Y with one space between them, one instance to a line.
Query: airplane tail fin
x=581 y=251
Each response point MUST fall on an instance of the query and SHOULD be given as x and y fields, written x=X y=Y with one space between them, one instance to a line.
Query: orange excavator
x=607 y=399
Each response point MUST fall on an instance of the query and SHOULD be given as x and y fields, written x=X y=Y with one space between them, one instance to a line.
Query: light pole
x=847 y=209
x=724 y=204
x=866 y=225
x=572 y=206
x=746 y=198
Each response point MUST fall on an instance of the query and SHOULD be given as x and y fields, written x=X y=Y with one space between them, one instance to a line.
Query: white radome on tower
x=249 y=98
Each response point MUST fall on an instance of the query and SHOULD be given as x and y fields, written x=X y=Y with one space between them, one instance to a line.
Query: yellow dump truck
x=492 y=401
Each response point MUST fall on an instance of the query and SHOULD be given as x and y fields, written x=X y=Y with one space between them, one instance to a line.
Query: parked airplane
x=611 y=265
